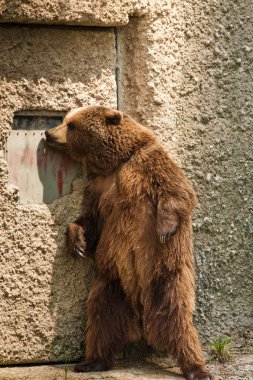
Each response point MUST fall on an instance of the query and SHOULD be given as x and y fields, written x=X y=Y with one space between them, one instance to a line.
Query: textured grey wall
x=187 y=74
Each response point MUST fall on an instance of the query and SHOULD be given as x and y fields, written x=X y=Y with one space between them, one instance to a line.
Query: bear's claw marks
x=199 y=374
x=92 y=366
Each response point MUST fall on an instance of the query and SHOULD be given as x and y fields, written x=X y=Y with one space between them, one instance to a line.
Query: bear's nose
x=48 y=137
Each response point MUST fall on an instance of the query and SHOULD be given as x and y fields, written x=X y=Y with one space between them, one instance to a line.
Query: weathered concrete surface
x=153 y=368
x=186 y=72
x=74 y=12
x=42 y=290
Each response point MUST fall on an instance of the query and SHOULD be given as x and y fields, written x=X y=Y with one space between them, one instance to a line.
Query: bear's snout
x=55 y=138
x=49 y=137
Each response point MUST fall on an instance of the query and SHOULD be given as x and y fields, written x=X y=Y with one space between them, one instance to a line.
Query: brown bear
x=136 y=222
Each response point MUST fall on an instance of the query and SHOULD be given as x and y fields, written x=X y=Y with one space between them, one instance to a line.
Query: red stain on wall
x=28 y=156
x=14 y=163
x=59 y=181
x=62 y=173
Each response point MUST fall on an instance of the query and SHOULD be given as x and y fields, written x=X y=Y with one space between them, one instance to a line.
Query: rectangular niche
x=41 y=174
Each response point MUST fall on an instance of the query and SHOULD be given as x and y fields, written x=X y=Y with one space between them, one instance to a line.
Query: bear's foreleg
x=75 y=240
x=111 y=324
x=82 y=237
x=168 y=324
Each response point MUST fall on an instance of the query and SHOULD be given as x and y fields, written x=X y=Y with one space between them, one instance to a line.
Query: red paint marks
x=59 y=181
x=64 y=165
x=42 y=159
x=14 y=160
x=62 y=172
x=28 y=156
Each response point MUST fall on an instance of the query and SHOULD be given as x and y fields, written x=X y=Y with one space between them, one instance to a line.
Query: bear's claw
x=79 y=251
x=199 y=374
x=165 y=237
x=75 y=240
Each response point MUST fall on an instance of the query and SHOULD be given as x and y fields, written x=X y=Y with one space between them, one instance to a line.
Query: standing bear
x=136 y=223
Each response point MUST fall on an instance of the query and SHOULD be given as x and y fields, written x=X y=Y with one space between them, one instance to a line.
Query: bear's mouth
x=52 y=142
x=55 y=144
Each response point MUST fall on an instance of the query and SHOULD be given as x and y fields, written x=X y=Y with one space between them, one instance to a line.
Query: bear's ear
x=113 y=117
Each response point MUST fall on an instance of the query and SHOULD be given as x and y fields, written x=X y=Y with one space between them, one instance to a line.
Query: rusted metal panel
x=28 y=122
x=41 y=174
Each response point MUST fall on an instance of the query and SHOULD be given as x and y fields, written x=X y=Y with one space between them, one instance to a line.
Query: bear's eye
x=71 y=126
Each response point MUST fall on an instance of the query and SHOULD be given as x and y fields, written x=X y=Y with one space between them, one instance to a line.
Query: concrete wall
x=42 y=290
x=73 y=12
x=184 y=70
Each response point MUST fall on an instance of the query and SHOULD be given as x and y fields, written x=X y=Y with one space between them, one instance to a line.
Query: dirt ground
x=241 y=367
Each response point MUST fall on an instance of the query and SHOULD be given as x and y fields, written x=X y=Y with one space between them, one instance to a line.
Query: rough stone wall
x=186 y=72
x=42 y=290
x=184 y=69
x=74 y=12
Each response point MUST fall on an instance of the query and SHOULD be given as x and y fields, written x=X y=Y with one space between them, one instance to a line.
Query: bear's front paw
x=199 y=373
x=75 y=240
x=92 y=366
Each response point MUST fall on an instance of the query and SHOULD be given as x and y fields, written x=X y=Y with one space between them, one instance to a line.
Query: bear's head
x=100 y=137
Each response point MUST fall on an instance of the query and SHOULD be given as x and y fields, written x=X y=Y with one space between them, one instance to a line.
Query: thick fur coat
x=136 y=223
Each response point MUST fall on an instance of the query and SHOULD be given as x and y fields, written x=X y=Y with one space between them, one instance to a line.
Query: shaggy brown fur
x=136 y=221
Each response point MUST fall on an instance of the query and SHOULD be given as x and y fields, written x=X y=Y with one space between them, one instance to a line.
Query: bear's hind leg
x=111 y=324
x=168 y=324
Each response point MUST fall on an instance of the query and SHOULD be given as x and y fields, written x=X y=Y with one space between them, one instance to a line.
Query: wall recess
x=41 y=174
